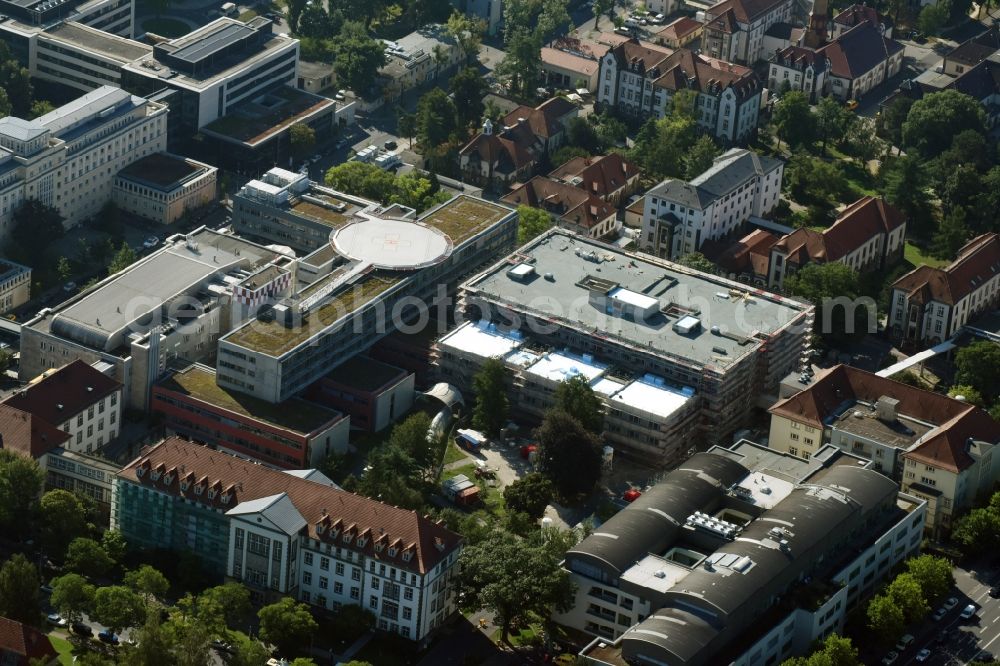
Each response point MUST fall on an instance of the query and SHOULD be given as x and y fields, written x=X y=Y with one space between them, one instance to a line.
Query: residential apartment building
x=800 y=68
x=680 y=216
x=734 y=29
x=706 y=566
x=291 y=435
x=287 y=208
x=929 y=305
x=164 y=187
x=419 y=57
x=602 y=307
x=383 y=267
x=867 y=236
x=639 y=79
x=68 y=158
x=939 y=448
x=499 y=156
x=78 y=399
x=571 y=207
x=15 y=285
x=610 y=177
x=172 y=304
x=290 y=533
x=215 y=69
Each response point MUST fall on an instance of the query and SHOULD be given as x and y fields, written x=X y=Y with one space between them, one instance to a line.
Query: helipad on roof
x=391 y=244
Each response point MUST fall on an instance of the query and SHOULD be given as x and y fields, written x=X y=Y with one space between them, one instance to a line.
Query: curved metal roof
x=673 y=635
x=651 y=523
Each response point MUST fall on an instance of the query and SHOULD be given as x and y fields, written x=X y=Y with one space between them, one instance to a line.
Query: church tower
x=815 y=35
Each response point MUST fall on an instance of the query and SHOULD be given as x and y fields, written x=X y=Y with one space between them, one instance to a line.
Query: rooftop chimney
x=887 y=409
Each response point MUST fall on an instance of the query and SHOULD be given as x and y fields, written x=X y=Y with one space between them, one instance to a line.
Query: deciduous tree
x=358 y=57
x=148 y=581
x=118 y=607
x=529 y=495
x=885 y=618
x=35 y=226
x=514 y=580
x=467 y=31
x=935 y=119
x=905 y=592
x=302 y=138
x=575 y=397
x=63 y=518
x=794 y=119
x=21 y=481
x=19 y=596
x=952 y=233
x=933 y=17
x=287 y=624
x=701 y=156
x=568 y=453
x=435 y=118
x=697 y=261
x=492 y=405
x=531 y=222
x=72 y=595
x=832 y=120
x=86 y=557
x=468 y=88
x=124 y=257
x=978 y=365
x=933 y=575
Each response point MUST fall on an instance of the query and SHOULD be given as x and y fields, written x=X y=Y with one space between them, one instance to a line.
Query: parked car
x=904 y=642
x=939 y=613
x=923 y=655
x=69 y=287
x=890 y=658
x=81 y=629
x=950 y=603
x=56 y=620
x=968 y=611
x=108 y=636
x=995 y=591
x=942 y=638
x=151 y=242
x=391 y=145
x=852 y=104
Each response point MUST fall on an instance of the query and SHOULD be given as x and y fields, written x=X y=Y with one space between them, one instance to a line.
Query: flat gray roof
x=124 y=50
x=563 y=261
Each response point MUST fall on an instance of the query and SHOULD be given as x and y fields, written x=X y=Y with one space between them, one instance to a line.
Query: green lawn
x=64 y=648
x=453 y=453
x=247 y=15
x=166 y=27
x=492 y=497
x=917 y=256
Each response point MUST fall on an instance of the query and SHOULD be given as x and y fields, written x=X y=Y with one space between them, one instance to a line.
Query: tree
x=813 y=181
x=63 y=518
x=35 y=227
x=701 y=156
x=833 y=651
x=933 y=575
x=5 y=107
x=124 y=258
x=361 y=179
x=114 y=545
x=491 y=407
x=933 y=17
x=16 y=82
x=697 y=261
x=906 y=188
x=435 y=118
x=885 y=618
x=568 y=453
x=117 y=607
x=417 y=191
x=72 y=595
x=358 y=57
x=21 y=482
x=601 y=7
x=575 y=397
x=394 y=477
x=661 y=145
x=64 y=269
x=287 y=624
x=231 y=601
x=978 y=365
x=905 y=593
x=978 y=531
x=529 y=495
x=407 y=125
x=967 y=393
x=863 y=142
x=832 y=120
x=514 y=580
x=794 y=119
x=19 y=596
x=411 y=435
x=467 y=31
x=246 y=650
x=581 y=133
x=890 y=123
x=40 y=107
x=564 y=154
x=951 y=235
x=302 y=138
x=87 y=557
x=148 y=581
x=468 y=88
x=520 y=70
x=935 y=119
x=295 y=9
x=531 y=223
x=834 y=289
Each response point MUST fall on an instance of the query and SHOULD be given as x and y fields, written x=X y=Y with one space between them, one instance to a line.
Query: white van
x=228 y=9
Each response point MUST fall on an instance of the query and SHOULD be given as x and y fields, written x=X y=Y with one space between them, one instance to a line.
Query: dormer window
x=185 y=485
x=225 y=498
x=378 y=547
x=168 y=479
x=212 y=492
x=139 y=471
x=392 y=552
x=199 y=489
x=347 y=537
x=155 y=475
x=320 y=528
x=407 y=555
x=362 y=541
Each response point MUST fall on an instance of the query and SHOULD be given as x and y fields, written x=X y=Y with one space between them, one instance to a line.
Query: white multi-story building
x=78 y=399
x=679 y=216
x=68 y=158
x=734 y=29
x=639 y=79
x=291 y=533
x=929 y=305
x=707 y=565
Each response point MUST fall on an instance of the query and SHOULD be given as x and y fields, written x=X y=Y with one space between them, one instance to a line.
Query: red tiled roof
x=602 y=176
x=26 y=642
x=745 y=11
x=975 y=50
x=855 y=14
x=793 y=55
x=680 y=28
x=181 y=460
x=573 y=205
x=61 y=395
x=687 y=70
x=646 y=57
x=544 y=120
x=750 y=254
x=977 y=262
x=844 y=384
x=27 y=434
x=859 y=50
x=569 y=61
x=855 y=226
x=947 y=448
x=726 y=23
